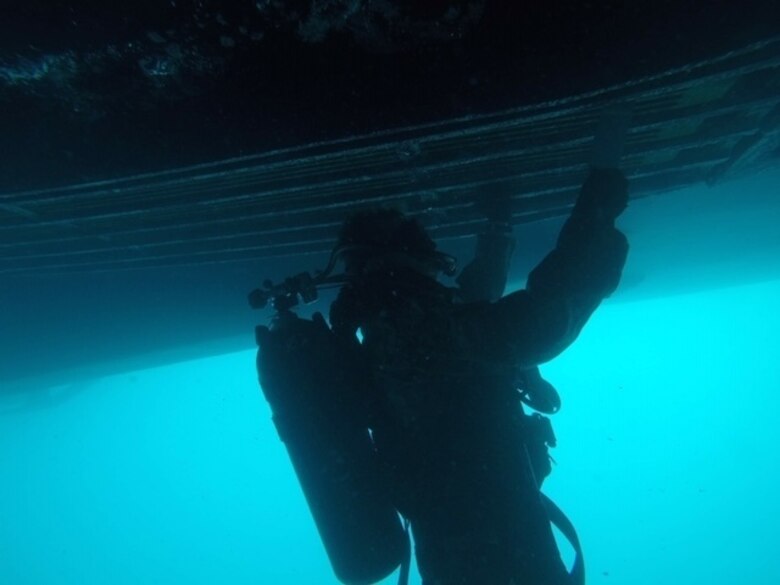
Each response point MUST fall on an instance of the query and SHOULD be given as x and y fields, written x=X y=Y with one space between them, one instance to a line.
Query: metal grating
x=691 y=125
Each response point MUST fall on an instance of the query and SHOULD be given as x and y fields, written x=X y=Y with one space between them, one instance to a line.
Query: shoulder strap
x=560 y=521
x=406 y=561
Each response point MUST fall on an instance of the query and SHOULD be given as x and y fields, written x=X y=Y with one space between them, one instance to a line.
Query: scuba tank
x=319 y=407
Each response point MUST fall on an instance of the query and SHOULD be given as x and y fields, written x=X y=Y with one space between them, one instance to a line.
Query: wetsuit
x=446 y=418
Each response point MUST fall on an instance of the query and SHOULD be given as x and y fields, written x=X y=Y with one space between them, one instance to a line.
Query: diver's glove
x=497 y=209
x=603 y=197
x=485 y=277
x=591 y=250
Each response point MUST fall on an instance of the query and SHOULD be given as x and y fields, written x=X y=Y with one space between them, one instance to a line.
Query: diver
x=447 y=421
x=411 y=400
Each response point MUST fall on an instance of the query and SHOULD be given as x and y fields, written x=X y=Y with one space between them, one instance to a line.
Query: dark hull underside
x=115 y=274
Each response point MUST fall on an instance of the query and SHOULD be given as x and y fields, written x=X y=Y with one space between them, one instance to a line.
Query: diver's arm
x=534 y=325
x=484 y=278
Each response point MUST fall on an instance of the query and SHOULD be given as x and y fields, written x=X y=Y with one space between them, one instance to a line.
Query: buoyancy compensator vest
x=319 y=407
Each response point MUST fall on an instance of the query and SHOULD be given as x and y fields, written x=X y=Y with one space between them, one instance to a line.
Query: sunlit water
x=667 y=461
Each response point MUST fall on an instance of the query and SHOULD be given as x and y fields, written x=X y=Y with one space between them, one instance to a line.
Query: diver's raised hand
x=604 y=195
x=609 y=137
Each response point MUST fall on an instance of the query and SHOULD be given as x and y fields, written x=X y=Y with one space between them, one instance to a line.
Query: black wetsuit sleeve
x=484 y=278
x=534 y=325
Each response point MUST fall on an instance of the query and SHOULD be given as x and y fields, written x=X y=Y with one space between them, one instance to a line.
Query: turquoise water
x=667 y=461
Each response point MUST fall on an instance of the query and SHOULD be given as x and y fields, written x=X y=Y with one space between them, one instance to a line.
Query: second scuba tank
x=311 y=384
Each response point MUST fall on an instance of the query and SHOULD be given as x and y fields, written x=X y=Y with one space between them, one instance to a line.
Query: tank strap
x=406 y=561
x=562 y=523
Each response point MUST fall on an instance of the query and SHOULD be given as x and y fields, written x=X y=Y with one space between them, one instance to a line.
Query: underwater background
x=123 y=460
x=667 y=459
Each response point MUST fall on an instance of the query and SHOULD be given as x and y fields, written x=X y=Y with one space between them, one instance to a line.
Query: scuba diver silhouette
x=411 y=400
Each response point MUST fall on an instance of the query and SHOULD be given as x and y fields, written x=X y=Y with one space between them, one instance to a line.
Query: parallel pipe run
x=400 y=177
x=689 y=125
x=225 y=180
x=525 y=114
x=295 y=220
x=318 y=242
